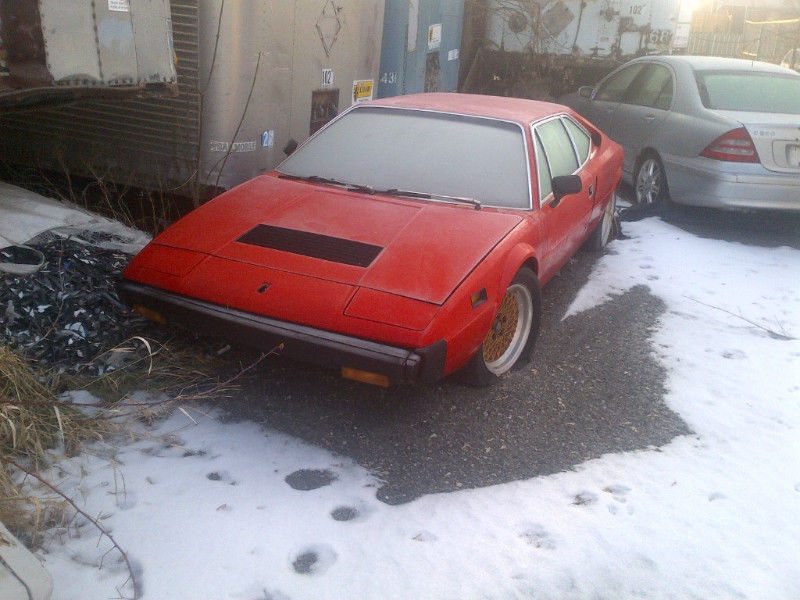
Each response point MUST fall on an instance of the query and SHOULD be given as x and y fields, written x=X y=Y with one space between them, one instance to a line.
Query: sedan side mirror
x=565 y=185
x=586 y=91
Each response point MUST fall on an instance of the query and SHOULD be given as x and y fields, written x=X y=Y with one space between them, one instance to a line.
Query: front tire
x=512 y=335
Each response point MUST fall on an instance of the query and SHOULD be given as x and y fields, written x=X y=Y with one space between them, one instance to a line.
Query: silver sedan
x=703 y=131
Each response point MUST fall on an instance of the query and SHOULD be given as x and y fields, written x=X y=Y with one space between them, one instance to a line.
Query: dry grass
x=34 y=420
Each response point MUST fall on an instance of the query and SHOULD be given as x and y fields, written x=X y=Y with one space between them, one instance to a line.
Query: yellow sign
x=362 y=90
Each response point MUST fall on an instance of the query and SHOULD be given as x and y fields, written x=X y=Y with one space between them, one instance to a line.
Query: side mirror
x=586 y=91
x=565 y=185
x=290 y=146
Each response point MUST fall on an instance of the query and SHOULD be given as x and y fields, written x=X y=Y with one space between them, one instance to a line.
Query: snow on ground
x=25 y=214
x=206 y=513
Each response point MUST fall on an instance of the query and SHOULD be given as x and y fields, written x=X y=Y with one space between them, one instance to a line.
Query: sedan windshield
x=428 y=153
x=750 y=91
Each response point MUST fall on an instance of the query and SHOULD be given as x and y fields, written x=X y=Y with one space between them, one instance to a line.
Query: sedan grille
x=316 y=245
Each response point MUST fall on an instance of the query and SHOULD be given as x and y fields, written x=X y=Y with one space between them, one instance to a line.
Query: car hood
x=416 y=249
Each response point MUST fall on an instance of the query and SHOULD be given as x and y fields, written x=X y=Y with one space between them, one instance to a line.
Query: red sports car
x=404 y=241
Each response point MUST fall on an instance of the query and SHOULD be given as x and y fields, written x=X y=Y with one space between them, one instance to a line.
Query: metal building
x=252 y=74
x=421 y=46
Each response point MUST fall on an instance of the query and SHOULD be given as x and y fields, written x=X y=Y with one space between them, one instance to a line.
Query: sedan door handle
x=649 y=118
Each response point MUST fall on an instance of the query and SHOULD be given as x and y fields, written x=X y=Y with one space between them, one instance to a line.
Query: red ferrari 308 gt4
x=406 y=240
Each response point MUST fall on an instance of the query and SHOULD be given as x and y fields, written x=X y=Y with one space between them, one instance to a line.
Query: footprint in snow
x=310 y=479
x=314 y=560
x=734 y=354
x=716 y=496
x=191 y=452
x=617 y=491
x=344 y=513
x=222 y=476
x=425 y=536
x=538 y=537
x=584 y=499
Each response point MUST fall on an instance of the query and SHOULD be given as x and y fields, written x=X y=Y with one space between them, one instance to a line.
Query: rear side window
x=543 y=171
x=583 y=143
x=653 y=88
x=749 y=91
x=562 y=147
x=613 y=89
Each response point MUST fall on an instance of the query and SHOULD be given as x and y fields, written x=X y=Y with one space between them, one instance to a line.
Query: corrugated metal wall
x=153 y=138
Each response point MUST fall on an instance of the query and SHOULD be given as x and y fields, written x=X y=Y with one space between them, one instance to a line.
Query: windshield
x=430 y=152
x=750 y=92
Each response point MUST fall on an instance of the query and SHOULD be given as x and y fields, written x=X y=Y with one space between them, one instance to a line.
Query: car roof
x=519 y=110
x=709 y=63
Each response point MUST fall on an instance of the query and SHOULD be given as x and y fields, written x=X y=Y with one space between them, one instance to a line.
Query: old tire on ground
x=510 y=340
x=650 y=182
x=604 y=231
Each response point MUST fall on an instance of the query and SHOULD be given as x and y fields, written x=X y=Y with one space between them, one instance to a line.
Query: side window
x=583 y=143
x=653 y=88
x=614 y=88
x=542 y=170
x=558 y=148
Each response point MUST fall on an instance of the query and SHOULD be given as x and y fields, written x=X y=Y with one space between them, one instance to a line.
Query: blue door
x=421 y=46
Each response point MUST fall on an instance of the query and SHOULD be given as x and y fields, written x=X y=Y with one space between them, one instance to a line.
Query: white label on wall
x=244 y=147
x=327 y=77
x=268 y=138
x=119 y=5
x=434 y=36
x=452 y=54
x=413 y=19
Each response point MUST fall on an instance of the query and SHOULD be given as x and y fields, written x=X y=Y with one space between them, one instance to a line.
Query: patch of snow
x=710 y=515
x=25 y=214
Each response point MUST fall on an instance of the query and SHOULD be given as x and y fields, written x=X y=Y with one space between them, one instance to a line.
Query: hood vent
x=315 y=245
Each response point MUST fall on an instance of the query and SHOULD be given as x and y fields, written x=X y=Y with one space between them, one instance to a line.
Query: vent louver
x=316 y=245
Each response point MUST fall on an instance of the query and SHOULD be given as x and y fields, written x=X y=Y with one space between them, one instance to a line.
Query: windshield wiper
x=431 y=196
x=353 y=187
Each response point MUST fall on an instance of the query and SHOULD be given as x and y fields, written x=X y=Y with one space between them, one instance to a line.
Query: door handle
x=649 y=118
x=591 y=190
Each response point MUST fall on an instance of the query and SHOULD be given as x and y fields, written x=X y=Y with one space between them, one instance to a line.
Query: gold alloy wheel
x=509 y=332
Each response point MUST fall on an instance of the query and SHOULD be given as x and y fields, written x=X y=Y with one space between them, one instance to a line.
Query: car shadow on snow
x=592 y=388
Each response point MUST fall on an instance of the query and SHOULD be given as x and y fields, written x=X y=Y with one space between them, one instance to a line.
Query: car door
x=643 y=109
x=557 y=153
x=600 y=108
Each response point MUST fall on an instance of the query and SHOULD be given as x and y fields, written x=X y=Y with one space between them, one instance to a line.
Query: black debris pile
x=67 y=313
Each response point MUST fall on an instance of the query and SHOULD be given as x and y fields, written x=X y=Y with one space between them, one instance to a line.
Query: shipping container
x=57 y=50
x=253 y=75
x=421 y=46
x=543 y=48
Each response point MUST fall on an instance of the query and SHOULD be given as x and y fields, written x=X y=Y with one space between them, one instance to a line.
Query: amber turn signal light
x=149 y=314
x=365 y=376
x=478 y=298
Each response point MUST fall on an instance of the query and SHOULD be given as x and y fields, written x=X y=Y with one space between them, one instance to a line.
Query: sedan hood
x=416 y=249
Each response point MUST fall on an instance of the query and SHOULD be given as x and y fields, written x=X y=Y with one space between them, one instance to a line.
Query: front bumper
x=423 y=365
x=705 y=182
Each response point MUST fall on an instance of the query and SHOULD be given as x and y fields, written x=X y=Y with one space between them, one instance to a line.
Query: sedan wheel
x=651 y=183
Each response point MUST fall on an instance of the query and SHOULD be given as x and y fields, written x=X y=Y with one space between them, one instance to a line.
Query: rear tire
x=604 y=232
x=510 y=340
x=650 y=183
